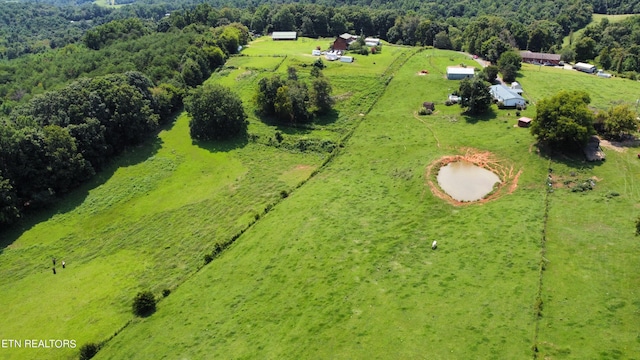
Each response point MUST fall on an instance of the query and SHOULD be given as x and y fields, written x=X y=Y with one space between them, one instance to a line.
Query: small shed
x=316 y=52
x=459 y=73
x=346 y=59
x=506 y=97
x=516 y=88
x=524 y=122
x=284 y=35
x=429 y=105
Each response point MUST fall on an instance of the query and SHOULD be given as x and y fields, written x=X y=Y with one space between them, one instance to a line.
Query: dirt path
x=415 y=115
x=621 y=146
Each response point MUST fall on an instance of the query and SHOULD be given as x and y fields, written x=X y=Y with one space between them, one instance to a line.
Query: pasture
x=342 y=267
x=543 y=81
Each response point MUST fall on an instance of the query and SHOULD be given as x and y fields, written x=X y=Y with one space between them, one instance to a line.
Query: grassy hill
x=342 y=267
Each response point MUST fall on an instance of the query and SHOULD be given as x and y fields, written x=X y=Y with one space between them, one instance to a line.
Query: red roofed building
x=540 y=58
x=343 y=41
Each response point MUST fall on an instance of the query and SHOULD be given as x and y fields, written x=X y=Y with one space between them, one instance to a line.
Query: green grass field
x=342 y=268
x=539 y=82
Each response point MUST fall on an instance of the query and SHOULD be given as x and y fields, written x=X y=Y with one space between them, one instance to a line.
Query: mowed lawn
x=591 y=284
x=343 y=268
x=539 y=82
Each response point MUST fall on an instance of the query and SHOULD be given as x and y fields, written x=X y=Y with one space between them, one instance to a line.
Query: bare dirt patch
x=506 y=172
x=619 y=146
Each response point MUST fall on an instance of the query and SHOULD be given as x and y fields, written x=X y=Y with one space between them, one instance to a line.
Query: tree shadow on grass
x=486 y=116
x=237 y=142
x=571 y=157
x=69 y=201
x=328 y=118
x=289 y=128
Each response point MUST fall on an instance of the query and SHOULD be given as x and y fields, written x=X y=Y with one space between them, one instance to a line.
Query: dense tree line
x=35 y=27
x=27 y=28
x=178 y=57
x=481 y=27
x=59 y=139
x=52 y=141
x=614 y=45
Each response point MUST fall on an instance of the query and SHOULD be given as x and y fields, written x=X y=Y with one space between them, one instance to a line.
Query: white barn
x=284 y=35
x=584 y=67
x=459 y=73
x=506 y=96
x=371 y=41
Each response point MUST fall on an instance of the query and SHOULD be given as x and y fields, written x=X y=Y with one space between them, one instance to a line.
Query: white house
x=459 y=73
x=506 y=96
x=584 y=67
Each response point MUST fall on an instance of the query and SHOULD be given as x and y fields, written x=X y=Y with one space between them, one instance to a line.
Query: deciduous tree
x=564 y=120
x=216 y=113
x=475 y=95
x=321 y=95
x=620 y=120
x=509 y=63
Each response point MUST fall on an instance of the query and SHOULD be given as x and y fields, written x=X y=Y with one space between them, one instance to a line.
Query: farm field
x=539 y=82
x=342 y=267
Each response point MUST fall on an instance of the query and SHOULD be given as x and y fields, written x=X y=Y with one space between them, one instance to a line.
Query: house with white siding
x=506 y=97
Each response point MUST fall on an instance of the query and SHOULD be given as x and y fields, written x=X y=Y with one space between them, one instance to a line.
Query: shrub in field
x=319 y=64
x=144 y=304
x=88 y=351
x=425 y=111
x=638 y=226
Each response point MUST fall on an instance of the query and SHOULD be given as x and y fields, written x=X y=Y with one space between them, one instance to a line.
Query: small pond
x=465 y=181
